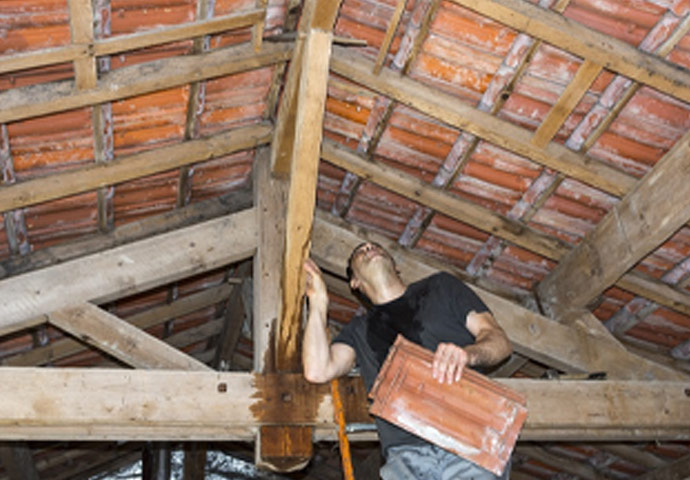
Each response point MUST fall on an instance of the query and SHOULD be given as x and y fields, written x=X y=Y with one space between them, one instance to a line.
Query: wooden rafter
x=655 y=209
x=573 y=348
x=131 y=268
x=100 y=404
x=390 y=34
x=44 y=99
x=452 y=111
x=586 y=43
x=121 y=339
x=133 y=41
x=18 y=461
x=127 y=168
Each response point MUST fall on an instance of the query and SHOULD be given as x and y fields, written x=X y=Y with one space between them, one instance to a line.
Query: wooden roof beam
x=133 y=41
x=121 y=339
x=572 y=348
x=158 y=160
x=450 y=110
x=653 y=211
x=81 y=28
x=587 y=43
x=44 y=99
x=110 y=404
x=128 y=269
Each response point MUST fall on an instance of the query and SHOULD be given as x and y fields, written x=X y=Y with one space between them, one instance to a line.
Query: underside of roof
x=171 y=162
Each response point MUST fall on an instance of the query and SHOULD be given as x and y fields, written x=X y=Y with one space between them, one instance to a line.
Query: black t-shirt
x=431 y=311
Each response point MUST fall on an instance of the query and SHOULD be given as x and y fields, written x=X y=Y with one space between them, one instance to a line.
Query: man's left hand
x=449 y=362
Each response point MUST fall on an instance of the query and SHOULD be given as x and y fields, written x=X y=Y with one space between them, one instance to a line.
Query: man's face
x=366 y=258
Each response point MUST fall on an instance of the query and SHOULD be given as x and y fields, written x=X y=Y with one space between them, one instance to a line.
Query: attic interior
x=167 y=165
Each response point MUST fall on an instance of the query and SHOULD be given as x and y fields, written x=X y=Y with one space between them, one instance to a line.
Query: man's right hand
x=315 y=287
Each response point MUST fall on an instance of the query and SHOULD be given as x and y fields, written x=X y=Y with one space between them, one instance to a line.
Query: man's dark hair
x=348 y=269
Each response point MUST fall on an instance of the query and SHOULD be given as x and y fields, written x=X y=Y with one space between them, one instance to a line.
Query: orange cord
x=339 y=412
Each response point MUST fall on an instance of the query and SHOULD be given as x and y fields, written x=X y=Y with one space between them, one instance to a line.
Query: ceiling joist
x=99 y=404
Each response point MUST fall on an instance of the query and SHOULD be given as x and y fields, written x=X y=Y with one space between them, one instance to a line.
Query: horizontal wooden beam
x=44 y=99
x=98 y=175
x=587 y=43
x=443 y=202
x=454 y=112
x=573 y=348
x=122 y=43
x=100 y=404
x=128 y=269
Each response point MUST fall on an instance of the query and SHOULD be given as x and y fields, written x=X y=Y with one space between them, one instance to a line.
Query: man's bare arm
x=321 y=360
x=490 y=347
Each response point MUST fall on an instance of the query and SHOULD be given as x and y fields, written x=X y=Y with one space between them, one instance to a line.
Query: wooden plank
x=199 y=28
x=576 y=89
x=390 y=33
x=632 y=454
x=198 y=212
x=18 y=461
x=450 y=110
x=573 y=37
x=572 y=348
x=66 y=347
x=122 y=43
x=302 y=192
x=44 y=99
x=98 y=404
x=121 y=339
x=270 y=199
x=40 y=58
x=656 y=291
x=655 y=209
x=416 y=189
x=131 y=268
x=134 y=166
x=81 y=28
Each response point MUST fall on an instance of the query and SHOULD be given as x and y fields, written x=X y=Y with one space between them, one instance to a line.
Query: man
x=439 y=312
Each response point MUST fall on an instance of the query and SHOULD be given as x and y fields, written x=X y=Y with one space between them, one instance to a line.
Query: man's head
x=368 y=264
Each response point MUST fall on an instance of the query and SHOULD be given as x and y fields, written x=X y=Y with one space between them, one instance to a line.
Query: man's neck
x=386 y=290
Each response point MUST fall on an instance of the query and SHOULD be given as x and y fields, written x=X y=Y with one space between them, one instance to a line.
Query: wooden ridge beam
x=123 y=43
x=44 y=99
x=121 y=339
x=131 y=268
x=105 y=404
x=649 y=214
x=162 y=159
x=587 y=43
x=450 y=110
x=573 y=348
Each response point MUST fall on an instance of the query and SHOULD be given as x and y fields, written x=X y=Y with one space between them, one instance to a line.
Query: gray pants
x=429 y=462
